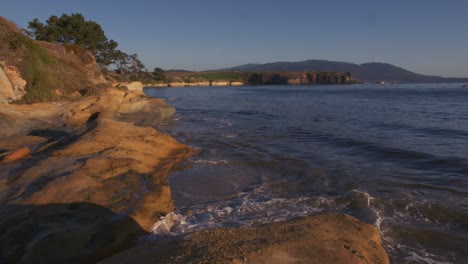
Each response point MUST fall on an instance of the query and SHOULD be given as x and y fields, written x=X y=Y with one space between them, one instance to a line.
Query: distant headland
x=366 y=72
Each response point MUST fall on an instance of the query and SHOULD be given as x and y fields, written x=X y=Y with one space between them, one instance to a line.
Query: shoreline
x=96 y=190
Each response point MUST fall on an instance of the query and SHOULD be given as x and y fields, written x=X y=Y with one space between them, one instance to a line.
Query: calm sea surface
x=395 y=156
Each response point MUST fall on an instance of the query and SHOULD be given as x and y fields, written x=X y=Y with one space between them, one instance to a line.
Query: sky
x=423 y=36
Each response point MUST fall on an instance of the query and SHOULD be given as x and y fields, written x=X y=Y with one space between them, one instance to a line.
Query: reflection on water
x=395 y=157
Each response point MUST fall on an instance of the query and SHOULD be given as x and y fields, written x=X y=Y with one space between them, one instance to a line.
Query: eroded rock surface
x=89 y=183
x=11 y=84
x=327 y=238
x=127 y=106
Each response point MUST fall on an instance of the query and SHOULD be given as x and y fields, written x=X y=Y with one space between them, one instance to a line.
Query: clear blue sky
x=424 y=36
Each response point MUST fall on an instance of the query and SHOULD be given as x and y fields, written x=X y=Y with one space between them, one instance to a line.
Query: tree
x=159 y=74
x=74 y=29
x=136 y=66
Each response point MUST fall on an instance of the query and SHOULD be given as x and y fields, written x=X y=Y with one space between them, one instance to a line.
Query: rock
x=116 y=169
x=327 y=238
x=87 y=155
x=17 y=155
x=127 y=106
x=11 y=84
x=124 y=171
x=63 y=233
x=15 y=78
x=16 y=142
x=132 y=86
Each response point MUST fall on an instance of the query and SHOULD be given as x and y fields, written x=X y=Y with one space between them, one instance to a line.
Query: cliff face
x=50 y=71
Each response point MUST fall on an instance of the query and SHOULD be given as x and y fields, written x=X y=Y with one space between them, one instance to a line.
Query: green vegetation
x=74 y=29
x=34 y=66
x=267 y=78
x=51 y=71
x=159 y=74
x=221 y=76
x=39 y=78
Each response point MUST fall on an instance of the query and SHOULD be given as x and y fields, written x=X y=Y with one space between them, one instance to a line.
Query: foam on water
x=210 y=162
x=258 y=207
x=393 y=157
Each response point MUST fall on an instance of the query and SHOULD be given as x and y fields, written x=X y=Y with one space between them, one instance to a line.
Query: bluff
x=50 y=71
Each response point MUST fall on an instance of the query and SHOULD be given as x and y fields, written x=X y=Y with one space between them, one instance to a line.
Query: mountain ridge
x=366 y=72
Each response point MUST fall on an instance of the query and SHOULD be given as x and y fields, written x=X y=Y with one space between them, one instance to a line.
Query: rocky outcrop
x=90 y=179
x=131 y=86
x=327 y=238
x=11 y=84
x=114 y=104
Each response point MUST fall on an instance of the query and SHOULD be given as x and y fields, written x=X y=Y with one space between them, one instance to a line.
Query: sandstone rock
x=125 y=106
x=6 y=88
x=16 y=142
x=132 y=86
x=15 y=78
x=11 y=84
x=327 y=238
x=114 y=164
x=116 y=170
x=17 y=155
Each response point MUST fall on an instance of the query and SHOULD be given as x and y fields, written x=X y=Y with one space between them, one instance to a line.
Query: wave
x=258 y=207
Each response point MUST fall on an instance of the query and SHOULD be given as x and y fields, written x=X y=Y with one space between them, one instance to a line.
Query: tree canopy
x=75 y=29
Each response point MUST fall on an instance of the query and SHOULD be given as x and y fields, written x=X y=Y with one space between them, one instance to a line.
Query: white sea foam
x=210 y=162
x=257 y=206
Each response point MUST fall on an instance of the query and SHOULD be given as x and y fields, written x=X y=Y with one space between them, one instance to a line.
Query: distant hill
x=367 y=72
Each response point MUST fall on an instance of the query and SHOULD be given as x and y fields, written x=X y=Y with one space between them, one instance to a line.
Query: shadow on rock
x=63 y=233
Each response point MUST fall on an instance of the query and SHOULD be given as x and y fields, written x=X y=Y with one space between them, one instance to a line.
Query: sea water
x=395 y=156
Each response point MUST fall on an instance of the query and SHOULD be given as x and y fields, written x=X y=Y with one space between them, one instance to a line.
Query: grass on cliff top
x=214 y=76
x=33 y=62
x=217 y=76
x=46 y=67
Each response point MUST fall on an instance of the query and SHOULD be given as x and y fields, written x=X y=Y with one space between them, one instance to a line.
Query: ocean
x=394 y=156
